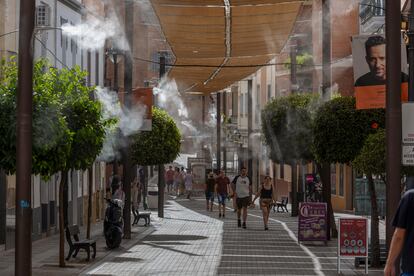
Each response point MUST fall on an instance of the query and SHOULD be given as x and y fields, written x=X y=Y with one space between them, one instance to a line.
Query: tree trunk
x=295 y=203
x=90 y=183
x=145 y=187
x=325 y=174
x=127 y=175
x=161 y=185
x=375 y=245
x=62 y=185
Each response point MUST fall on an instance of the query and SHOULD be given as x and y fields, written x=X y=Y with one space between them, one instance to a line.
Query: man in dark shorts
x=209 y=191
x=242 y=187
x=403 y=238
x=222 y=183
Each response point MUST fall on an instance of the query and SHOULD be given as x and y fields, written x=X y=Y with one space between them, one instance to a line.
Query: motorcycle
x=113 y=223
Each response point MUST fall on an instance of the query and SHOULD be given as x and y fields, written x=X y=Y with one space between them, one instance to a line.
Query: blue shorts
x=222 y=199
x=210 y=196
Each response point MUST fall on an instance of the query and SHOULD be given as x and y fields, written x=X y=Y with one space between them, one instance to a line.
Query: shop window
x=333 y=179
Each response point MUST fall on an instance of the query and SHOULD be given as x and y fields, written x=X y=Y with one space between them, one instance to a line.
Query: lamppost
x=113 y=54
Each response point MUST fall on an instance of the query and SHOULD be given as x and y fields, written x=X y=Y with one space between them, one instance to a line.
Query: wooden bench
x=75 y=245
x=145 y=215
x=281 y=204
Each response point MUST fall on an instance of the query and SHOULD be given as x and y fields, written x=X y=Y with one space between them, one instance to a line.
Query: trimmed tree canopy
x=371 y=159
x=340 y=130
x=161 y=145
x=51 y=135
x=287 y=127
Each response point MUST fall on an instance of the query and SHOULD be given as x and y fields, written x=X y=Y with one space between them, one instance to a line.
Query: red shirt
x=169 y=175
x=222 y=183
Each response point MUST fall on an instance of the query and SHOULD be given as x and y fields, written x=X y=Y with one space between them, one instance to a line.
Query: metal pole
x=225 y=141
x=249 y=127
x=326 y=48
x=116 y=88
x=161 y=180
x=128 y=167
x=393 y=114
x=23 y=253
x=293 y=69
x=410 y=178
x=218 y=159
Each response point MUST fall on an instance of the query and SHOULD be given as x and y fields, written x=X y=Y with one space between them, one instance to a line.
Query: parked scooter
x=113 y=224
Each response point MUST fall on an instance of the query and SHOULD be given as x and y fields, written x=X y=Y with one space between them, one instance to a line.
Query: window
x=63 y=39
x=169 y=59
x=269 y=92
x=341 y=180
x=257 y=113
x=282 y=170
x=42 y=15
x=333 y=179
x=97 y=68
x=242 y=104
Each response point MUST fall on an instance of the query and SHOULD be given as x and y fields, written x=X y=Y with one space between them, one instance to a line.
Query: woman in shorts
x=266 y=199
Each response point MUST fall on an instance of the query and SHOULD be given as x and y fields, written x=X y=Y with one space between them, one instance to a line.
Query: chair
x=76 y=244
x=281 y=204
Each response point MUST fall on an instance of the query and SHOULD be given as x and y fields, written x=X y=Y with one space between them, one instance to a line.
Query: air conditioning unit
x=42 y=16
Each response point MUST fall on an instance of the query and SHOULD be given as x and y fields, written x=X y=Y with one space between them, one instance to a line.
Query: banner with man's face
x=370 y=74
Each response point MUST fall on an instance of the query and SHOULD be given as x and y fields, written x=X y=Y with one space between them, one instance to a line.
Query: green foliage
x=51 y=135
x=83 y=115
x=302 y=60
x=340 y=130
x=287 y=127
x=68 y=129
x=161 y=145
x=371 y=159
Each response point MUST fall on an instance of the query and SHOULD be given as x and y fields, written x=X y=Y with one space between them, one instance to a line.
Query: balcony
x=372 y=16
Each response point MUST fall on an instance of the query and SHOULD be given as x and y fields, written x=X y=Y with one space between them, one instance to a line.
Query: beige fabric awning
x=221 y=34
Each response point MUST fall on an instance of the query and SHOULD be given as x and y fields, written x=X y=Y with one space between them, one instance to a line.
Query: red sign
x=353 y=239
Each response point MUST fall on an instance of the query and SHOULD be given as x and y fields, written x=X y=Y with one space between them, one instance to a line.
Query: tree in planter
x=287 y=129
x=84 y=119
x=371 y=161
x=159 y=146
x=340 y=131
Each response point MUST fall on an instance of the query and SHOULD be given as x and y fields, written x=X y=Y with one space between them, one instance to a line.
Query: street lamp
x=113 y=54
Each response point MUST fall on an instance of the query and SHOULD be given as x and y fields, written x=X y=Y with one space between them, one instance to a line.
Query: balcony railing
x=370 y=9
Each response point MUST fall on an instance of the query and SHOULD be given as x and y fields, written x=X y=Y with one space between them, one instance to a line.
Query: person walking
x=177 y=181
x=135 y=199
x=242 y=187
x=209 y=191
x=169 y=178
x=222 y=185
x=402 y=242
x=188 y=181
x=266 y=199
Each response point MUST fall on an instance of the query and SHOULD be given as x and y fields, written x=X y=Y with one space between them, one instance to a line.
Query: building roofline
x=73 y=4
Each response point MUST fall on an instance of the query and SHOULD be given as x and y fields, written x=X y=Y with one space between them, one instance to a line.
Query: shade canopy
x=226 y=36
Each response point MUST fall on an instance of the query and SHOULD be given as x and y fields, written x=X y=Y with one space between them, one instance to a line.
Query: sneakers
x=244 y=225
x=223 y=215
x=238 y=223
x=266 y=228
x=219 y=215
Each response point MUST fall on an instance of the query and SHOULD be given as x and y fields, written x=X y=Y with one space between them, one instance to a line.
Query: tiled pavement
x=192 y=241
x=275 y=252
x=183 y=243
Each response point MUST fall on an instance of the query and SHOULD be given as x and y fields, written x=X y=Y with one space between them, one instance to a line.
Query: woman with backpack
x=266 y=199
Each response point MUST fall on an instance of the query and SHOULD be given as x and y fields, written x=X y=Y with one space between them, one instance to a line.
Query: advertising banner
x=353 y=240
x=312 y=221
x=143 y=97
x=368 y=54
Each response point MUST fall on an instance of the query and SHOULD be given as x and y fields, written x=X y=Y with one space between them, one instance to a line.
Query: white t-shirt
x=242 y=186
